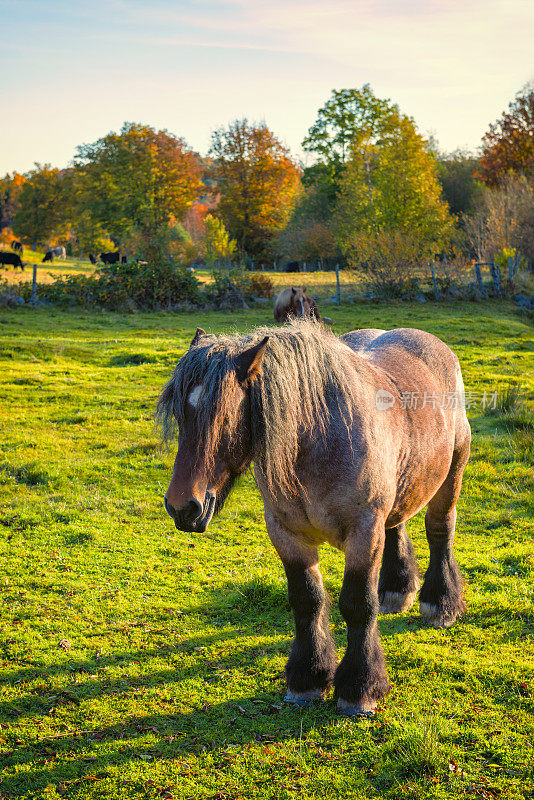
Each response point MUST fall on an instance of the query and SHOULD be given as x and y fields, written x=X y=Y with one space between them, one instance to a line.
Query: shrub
x=246 y=284
x=261 y=285
x=119 y=286
x=390 y=261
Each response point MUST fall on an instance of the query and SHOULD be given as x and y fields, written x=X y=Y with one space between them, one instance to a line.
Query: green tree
x=391 y=184
x=347 y=115
x=138 y=178
x=459 y=184
x=44 y=204
x=258 y=181
x=217 y=242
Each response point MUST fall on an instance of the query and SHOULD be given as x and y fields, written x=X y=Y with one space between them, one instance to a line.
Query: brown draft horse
x=292 y=302
x=350 y=438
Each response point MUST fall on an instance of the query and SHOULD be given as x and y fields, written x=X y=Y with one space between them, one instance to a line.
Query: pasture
x=142 y=662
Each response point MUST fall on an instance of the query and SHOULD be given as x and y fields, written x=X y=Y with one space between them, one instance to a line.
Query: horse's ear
x=293 y=290
x=198 y=335
x=304 y=289
x=247 y=365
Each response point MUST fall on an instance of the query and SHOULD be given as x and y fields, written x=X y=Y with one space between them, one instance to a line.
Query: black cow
x=49 y=256
x=11 y=259
x=109 y=258
x=92 y=259
x=292 y=266
x=17 y=247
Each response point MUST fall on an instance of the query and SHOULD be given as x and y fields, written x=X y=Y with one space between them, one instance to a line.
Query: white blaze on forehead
x=194 y=396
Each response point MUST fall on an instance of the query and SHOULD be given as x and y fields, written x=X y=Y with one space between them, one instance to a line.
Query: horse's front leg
x=312 y=662
x=361 y=679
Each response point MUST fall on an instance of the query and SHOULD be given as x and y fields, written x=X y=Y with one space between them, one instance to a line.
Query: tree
x=10 y=189
x=258 y=181
x=44 y=204
x=390 y=184
x=138 y=178
x=346 y=114
x=504 y=221
x=508 y=146
x=459 y=184
x=217 y=242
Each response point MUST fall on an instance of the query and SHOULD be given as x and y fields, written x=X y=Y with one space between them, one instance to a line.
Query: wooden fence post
x=338 y=288
x=436 y=293
x=33 y=299
x=496 y=278
x=479 y=280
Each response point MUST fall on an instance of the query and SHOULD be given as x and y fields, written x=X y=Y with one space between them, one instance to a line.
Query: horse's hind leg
x=440 y=599
x=312 y=662
x=399 y=575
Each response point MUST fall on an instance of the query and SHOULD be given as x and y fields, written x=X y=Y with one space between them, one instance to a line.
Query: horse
x=293 y=302
x=48 y=256
x=92 y=259
x=17 y=247
x=343 y=454
x=11 y=259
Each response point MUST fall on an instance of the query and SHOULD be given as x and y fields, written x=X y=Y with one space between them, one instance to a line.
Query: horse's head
x=208 y=397
x=302 y=305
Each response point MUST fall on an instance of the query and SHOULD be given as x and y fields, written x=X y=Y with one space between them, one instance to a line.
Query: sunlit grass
x=141 y=662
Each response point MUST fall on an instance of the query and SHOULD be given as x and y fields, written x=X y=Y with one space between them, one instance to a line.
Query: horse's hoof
x=396 y=602
x=303 y=699
x=352 y=710
x=433 y=616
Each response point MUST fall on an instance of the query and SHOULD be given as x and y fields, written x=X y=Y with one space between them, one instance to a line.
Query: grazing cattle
x=17 y=247
x=109 y=258
x=11 y=259
x=292 y=266
x=339 y=457
x=48 y=256
x=92 y=259
x=293 y=302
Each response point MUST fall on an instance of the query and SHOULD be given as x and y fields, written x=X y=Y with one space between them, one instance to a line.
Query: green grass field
x=141 y=662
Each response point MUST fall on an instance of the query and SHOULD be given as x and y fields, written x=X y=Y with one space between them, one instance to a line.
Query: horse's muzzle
x=192 y=517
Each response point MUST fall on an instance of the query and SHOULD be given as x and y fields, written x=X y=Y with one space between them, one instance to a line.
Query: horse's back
x=400 y=346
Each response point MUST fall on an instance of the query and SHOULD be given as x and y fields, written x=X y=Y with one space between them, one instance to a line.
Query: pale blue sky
x=73 y=71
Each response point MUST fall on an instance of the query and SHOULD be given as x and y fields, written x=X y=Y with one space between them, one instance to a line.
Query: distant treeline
x=374 y=180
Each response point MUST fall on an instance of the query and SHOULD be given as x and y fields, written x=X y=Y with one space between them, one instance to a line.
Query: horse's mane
x=302 y=381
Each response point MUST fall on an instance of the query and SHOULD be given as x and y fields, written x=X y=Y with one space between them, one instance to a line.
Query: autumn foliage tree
x=138 y=178
x=10 y=189
x=44 y=204
x=508 y=146
x=390 y=184
x=258 y=182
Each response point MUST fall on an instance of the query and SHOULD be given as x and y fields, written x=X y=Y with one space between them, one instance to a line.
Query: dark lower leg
x=399 y=575
x=361 y=678
x=440 y=599
x=312 y=662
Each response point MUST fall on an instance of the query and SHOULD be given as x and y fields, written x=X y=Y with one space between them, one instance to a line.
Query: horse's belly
x=418 y=482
